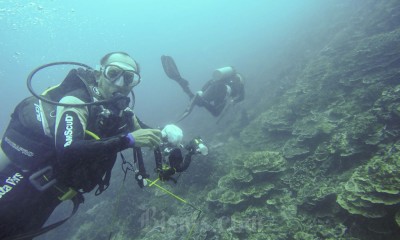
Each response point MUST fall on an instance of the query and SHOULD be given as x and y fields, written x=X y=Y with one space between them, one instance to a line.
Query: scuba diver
x=64 y=143
x=218 y=94
x=172 y=160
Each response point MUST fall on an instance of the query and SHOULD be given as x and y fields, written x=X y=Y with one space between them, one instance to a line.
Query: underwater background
x=312 y=153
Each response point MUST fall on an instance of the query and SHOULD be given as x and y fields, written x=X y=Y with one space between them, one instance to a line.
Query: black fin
x=172 y=72
x=170 y=68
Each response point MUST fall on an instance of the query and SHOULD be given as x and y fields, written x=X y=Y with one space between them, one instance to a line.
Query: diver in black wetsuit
x=54 y=153
x=220 y=91
x=224 y=89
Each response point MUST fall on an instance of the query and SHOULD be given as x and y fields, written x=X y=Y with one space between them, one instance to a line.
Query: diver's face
x=118 y=75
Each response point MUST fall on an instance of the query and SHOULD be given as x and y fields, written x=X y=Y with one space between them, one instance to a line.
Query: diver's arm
x=238 y=98
x=70 y=132
x=240 y=95
x=239 y=88
x=185 y=163
x=215 y=110
x=176 y=161
x=207 y=85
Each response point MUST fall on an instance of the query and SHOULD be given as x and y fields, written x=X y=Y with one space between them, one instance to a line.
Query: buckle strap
x=43 y=179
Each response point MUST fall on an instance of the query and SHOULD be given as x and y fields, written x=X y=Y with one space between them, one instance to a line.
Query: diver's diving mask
x=120 y=76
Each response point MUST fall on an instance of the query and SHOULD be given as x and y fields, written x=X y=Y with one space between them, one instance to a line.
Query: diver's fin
x=188 y=109
x=172 y=72
x=170 y=67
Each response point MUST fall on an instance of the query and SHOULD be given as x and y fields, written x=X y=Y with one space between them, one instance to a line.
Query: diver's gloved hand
x=146 y=138
x=198 y=99
x=173 y=134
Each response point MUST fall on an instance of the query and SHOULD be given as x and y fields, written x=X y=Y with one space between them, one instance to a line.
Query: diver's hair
x=107 y=56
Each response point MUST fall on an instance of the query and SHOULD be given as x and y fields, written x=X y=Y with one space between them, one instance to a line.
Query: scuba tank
x=223 y=72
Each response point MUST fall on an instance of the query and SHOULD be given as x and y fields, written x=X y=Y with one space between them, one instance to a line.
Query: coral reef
x=249 y=178
x=319 y=160
x=374 y=188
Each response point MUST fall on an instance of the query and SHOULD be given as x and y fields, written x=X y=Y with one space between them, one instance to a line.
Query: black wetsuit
x=38 y=137
x=177 y=161
x=215 y=94
x=176 y=164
